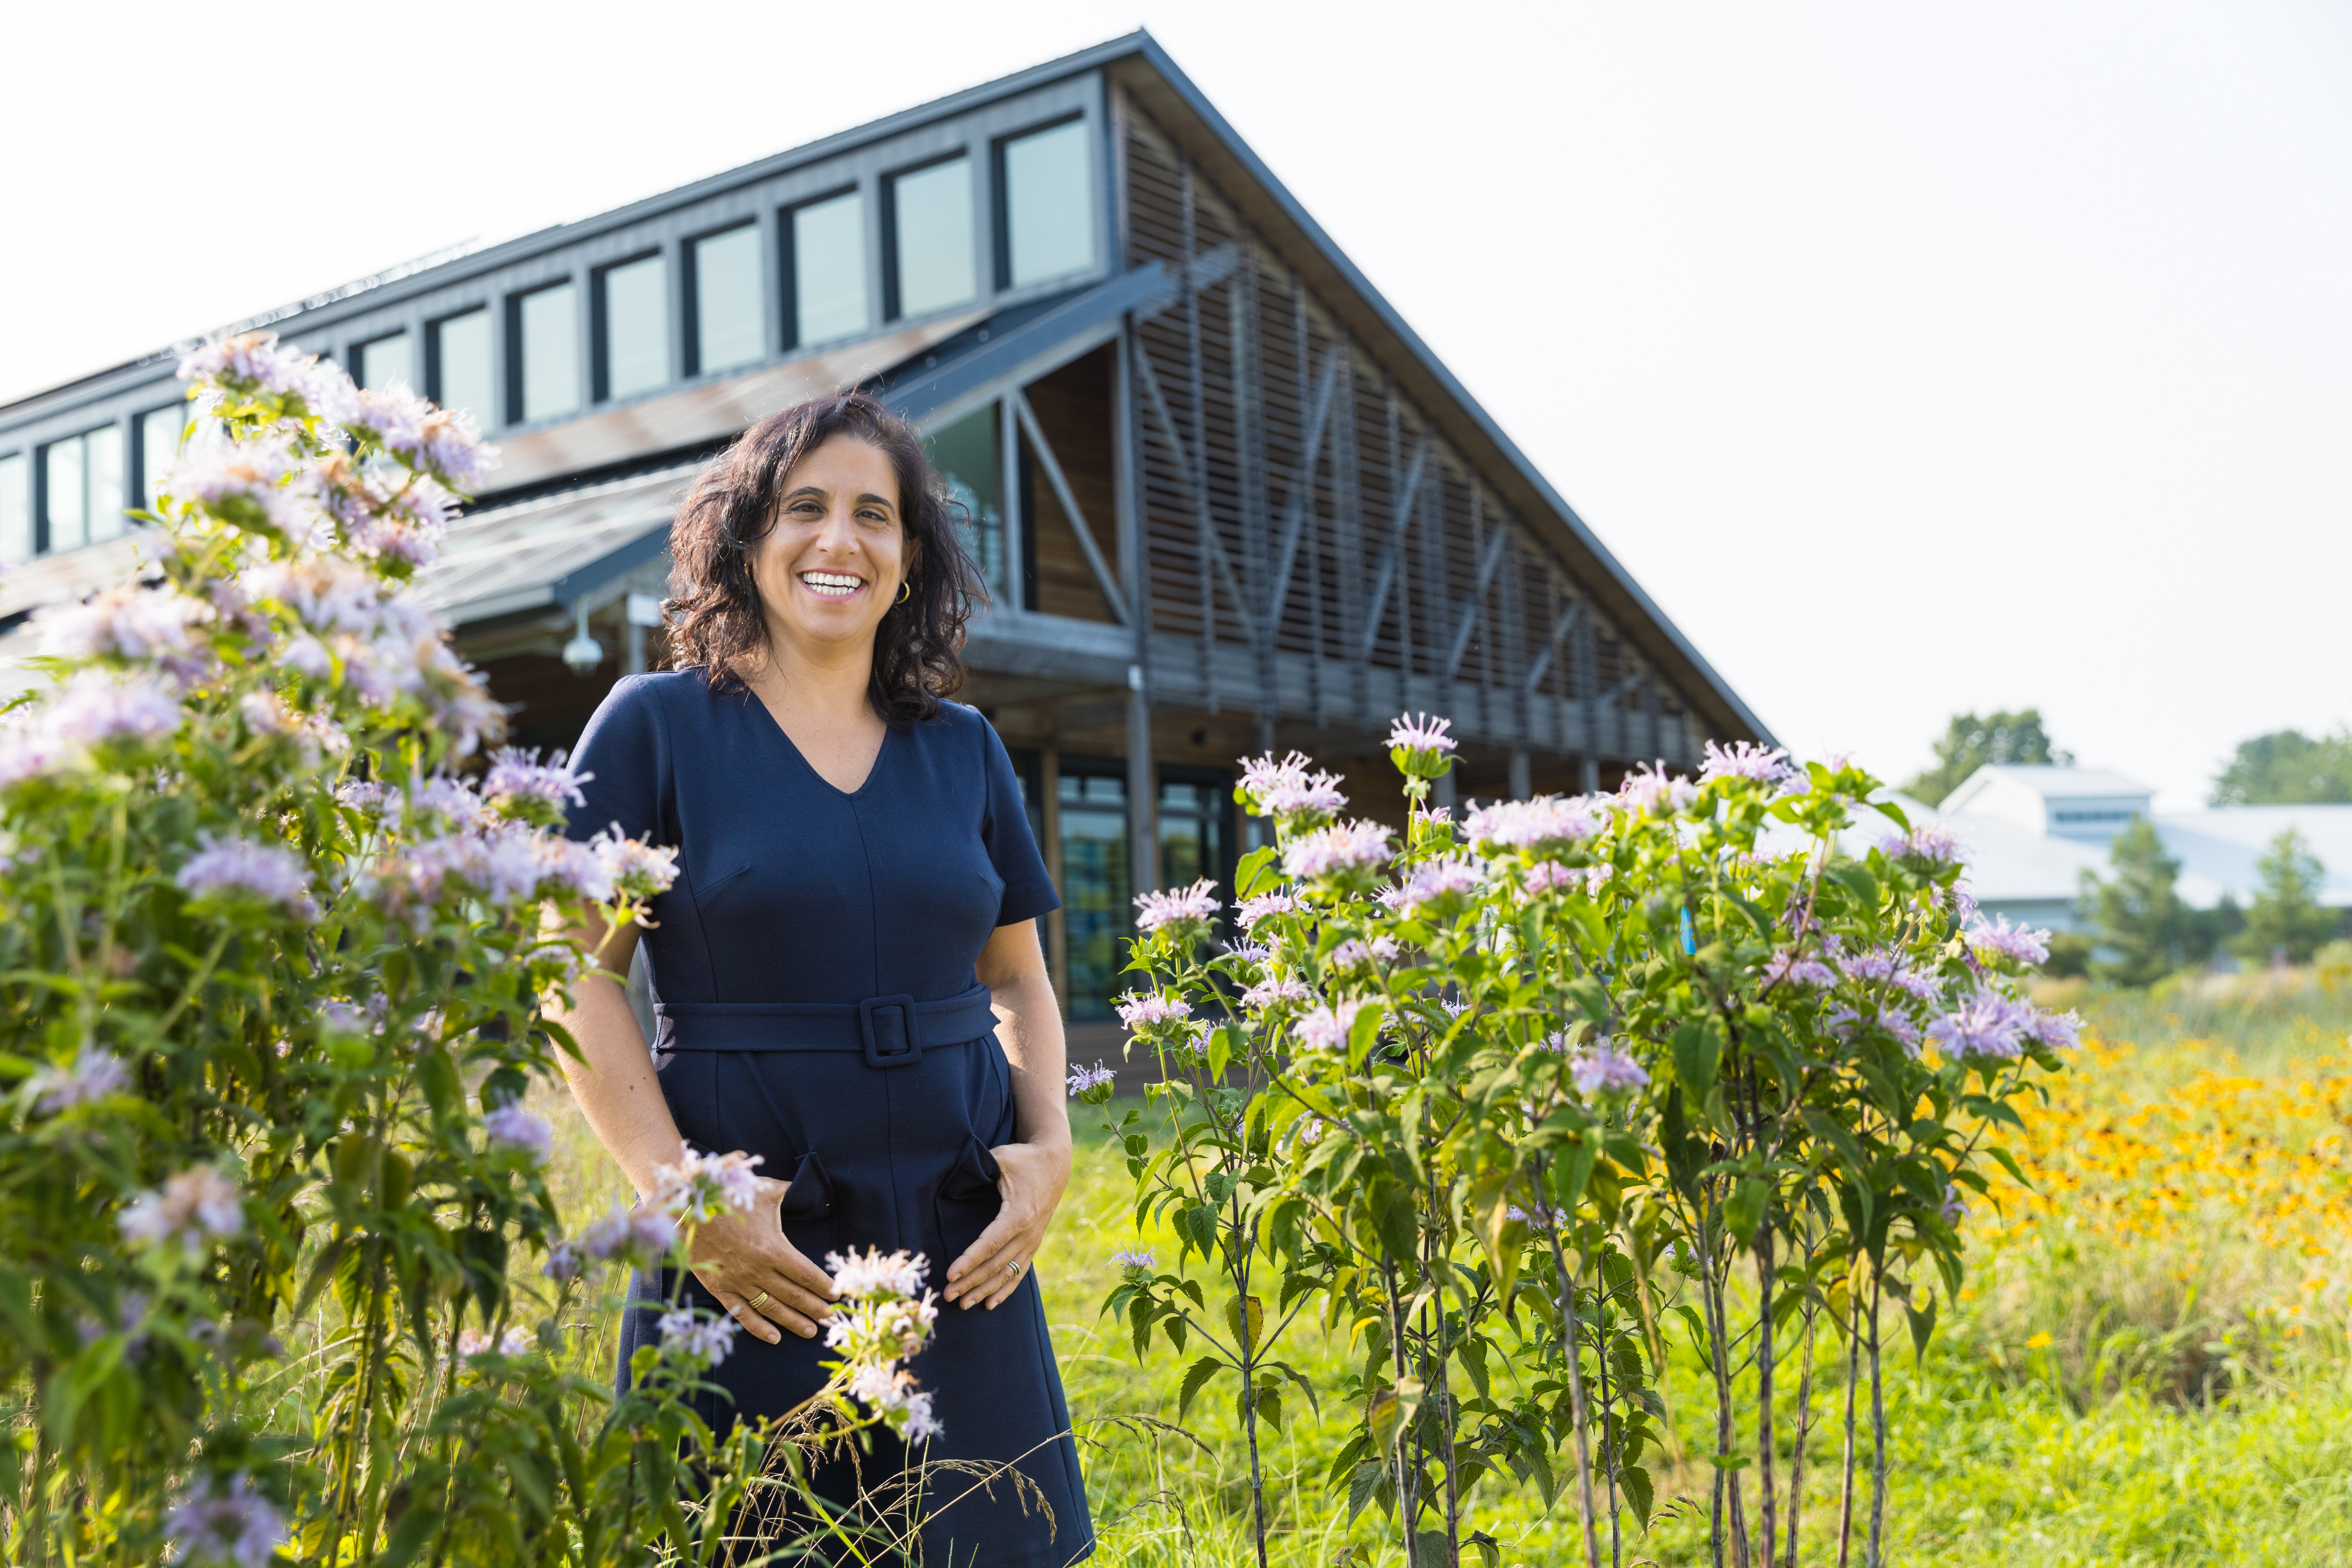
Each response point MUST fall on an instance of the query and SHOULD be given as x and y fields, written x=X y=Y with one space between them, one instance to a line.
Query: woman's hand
x=741 y=1257
x=1030 y=1179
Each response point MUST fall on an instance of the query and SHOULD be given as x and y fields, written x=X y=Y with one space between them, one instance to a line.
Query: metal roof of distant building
x=2051 y=780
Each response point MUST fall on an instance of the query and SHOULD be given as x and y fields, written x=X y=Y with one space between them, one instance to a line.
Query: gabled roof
x=1170 y=96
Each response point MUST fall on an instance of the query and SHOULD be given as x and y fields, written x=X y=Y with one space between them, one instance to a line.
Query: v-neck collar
x=889 y=731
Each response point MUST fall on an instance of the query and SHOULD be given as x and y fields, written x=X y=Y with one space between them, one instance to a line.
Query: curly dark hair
x=713 y=610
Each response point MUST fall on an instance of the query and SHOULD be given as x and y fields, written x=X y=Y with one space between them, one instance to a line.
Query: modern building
x=2030 y=833
x=1225 y=498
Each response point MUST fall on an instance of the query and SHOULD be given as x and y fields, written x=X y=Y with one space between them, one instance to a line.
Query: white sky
x=1913 y=358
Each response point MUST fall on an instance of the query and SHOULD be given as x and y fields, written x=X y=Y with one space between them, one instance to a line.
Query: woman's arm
x=736 y=1256
x=1036 y=1169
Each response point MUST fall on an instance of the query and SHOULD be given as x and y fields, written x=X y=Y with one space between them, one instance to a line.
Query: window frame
x=600 y=326
x=893 y=307
x=690 y=294
x=999 y=199
x=788 y=261
x=517 y=410
x=434 y=390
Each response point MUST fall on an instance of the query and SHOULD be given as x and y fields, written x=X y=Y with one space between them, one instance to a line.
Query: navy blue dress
x=812 y=970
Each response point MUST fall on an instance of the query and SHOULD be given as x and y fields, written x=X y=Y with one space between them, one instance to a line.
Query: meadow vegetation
x=2151 y=1363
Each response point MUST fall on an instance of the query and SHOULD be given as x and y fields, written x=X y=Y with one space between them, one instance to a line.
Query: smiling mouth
x=831 y=585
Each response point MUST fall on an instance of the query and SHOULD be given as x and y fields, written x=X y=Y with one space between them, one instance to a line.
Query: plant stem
x=1766 y=1484
x=1878 y=1441
x=1852 y=1376
x=1249 y=1359
x=1804 y=1419
x=1407 y=1506
x=1575 y=1337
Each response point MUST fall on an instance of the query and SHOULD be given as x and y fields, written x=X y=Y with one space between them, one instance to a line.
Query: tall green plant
x=270 y=975
x=1517 y=1094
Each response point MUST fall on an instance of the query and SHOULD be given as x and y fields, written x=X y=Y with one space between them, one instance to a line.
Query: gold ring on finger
x=756 y=1303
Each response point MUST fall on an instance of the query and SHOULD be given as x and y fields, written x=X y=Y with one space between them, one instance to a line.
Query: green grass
x=1995 y=1463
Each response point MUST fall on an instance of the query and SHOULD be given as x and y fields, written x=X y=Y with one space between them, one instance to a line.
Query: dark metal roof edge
x=1429 y=364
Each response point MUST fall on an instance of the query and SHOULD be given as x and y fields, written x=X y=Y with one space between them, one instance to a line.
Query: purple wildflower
x=1605 y=1070
x=1929 y=841
x=1355 y=953
x=1419 y=732
x=1652 y=791
x=231 y=867
x=1186 y=907
x=1083 y=1081
x=1247 y=952
x=1253 y=911
x=703 y=1187
x=562 y=1261
x=1986 y=1025
x=226 y=1523
x=1286 y=789
x=519 y=779
x=1327 y=1028
x=636 y=870
x=96 y=1073
x=1886 y=966
x=1788 y=966
x=1551 y=877
x=1273 y=992
x=196 y=1204
x=1744 y=760
x=2059 y=1031
x=697 y=1336
x=1439 y=885
x=1336 y=850
x=641 y=1236
x=94 y=706
x=1144 y=1258
x=1546 y=822
x=516 y=1128
x=1999 y=939
x=1145 y=1011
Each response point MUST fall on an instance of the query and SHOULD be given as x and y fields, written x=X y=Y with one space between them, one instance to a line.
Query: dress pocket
x=967 y=1201
x=811 y=1219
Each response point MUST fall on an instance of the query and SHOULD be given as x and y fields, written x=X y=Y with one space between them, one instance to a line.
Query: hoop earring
x=905 y=589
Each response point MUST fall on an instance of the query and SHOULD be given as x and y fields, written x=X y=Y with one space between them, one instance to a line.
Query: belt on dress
x=892 y=1031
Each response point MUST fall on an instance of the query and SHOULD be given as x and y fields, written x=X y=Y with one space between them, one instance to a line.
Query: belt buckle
x=892 y=1036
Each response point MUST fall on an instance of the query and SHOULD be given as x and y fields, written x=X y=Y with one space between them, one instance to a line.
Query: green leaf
x=1730 y=1461
x=1697 y=1051
x=1196 y=1377
x=1256 y=874
x=1365 y=1481
x=1638 y=1491
x=1923 y=1326
x=1743 y=1214
x=1489 y=1549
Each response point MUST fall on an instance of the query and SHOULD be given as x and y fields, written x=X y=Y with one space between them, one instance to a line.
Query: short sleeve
x=1028 y=890
x=623 y=757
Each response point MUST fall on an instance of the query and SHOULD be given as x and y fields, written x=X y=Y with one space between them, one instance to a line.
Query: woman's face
x=830 y=565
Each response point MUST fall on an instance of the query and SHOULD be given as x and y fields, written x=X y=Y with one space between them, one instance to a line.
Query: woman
x=847 y=973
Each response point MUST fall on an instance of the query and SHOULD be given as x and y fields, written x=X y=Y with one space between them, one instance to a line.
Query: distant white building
x=2029 y=834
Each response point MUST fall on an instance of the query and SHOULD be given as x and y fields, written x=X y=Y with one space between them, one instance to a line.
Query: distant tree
x=1969 y=742
x=2285 y=918
x=2144 y=931
x=2287 y=767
